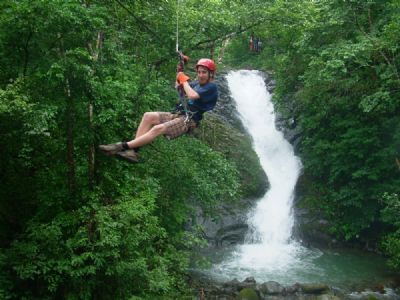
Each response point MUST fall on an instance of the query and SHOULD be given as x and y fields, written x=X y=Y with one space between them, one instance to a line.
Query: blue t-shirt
x=208 y=98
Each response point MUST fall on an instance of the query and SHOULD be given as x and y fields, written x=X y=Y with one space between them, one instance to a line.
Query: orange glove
x=182 y=78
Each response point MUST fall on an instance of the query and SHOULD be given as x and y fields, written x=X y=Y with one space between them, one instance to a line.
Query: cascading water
x=269 y=252
x=271 y=220
x=268 y=247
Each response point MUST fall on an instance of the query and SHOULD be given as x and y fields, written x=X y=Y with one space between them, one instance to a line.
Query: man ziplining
x=202 y=96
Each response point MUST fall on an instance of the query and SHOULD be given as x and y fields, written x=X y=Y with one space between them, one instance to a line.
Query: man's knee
x=151 y=118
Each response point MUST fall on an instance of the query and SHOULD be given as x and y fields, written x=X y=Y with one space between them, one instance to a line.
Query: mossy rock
x=237 y=148
x=247 y=294
x=327 y=297
x=314 y=288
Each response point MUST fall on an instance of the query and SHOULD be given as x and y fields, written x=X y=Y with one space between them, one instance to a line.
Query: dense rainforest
x=75 y=74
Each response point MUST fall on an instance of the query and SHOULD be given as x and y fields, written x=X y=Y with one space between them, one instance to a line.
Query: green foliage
x=391 y=242
x=204 y=177
x=118 y=243
x=74 y=224
x=344 y=128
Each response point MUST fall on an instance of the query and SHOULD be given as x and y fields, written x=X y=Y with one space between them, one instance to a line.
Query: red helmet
x=208 y=63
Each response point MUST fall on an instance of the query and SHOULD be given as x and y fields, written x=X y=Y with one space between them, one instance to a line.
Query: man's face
x=202 y=74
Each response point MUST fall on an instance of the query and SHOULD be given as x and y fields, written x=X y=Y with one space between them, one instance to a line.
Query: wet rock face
x=271 y=288
x=229 y=229
x=289 y=126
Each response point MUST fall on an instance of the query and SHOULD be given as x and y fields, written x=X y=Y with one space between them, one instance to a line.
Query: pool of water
x=348 y=270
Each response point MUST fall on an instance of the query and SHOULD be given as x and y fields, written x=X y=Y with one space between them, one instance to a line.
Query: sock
x=125 y=146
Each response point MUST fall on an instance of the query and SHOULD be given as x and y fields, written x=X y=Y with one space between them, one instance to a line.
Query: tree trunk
x=212 y=49
x=91 y=159
x=69 y=118
x=222 y=50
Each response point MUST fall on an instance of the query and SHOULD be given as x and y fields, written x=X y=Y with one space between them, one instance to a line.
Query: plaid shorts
x=175 y=123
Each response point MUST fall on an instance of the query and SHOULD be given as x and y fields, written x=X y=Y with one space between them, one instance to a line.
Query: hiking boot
x=111 y=149
x=128 y=155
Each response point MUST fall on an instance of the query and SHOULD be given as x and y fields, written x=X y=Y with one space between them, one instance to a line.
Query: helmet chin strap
x=210 y=76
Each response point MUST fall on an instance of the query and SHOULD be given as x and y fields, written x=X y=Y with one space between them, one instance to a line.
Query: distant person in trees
x=259 y=46
x=202 y=96
x=251 y=43
x=256 y=44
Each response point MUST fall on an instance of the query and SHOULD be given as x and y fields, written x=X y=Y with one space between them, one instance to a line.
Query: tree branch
x=208 y=41
x=139 y=21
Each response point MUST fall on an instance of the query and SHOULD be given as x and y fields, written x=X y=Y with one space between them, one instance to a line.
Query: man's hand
x=181 y=78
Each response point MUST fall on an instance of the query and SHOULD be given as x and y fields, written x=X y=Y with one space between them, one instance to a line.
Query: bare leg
x=147 y=137
x=149 y=119
x=148 y=130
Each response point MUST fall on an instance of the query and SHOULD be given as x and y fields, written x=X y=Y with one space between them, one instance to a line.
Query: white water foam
x=269 y=247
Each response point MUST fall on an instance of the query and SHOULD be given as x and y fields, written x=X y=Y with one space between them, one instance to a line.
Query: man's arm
x=190 y=93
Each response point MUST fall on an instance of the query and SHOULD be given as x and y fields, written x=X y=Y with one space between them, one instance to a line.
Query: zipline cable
x=180 y=68
x=177 y=25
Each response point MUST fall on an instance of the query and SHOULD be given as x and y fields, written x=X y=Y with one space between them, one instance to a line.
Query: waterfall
x=269 y=247
x=272 y=219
